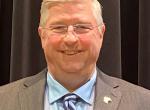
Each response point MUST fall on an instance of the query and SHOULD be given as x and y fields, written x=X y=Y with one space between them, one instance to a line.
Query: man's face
x=71 y=52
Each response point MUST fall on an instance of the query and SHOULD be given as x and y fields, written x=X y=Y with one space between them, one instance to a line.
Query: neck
x=72 y=81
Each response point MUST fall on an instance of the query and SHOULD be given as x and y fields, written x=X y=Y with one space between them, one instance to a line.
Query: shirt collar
x=56 y=90
x=85 y=91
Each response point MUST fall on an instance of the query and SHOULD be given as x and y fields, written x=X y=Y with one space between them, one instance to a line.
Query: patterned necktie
x=69 y=101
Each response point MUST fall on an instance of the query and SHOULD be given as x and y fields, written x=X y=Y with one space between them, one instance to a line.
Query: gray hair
x=96 y=8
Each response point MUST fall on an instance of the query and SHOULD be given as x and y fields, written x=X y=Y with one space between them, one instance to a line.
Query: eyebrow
x=62 y=22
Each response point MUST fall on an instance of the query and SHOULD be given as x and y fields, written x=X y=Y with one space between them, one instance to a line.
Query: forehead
x=71 y=12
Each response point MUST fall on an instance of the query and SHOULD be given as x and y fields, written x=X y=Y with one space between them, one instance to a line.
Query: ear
x=41 y=34
x=40 y=31
x=103 y=29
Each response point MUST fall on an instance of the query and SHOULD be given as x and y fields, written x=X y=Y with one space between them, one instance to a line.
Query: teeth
x=70 y=52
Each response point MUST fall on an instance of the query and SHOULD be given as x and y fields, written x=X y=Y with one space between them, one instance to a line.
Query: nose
x=70 y=38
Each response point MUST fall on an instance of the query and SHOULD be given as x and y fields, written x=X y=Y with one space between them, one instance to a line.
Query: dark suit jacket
x=28 y=94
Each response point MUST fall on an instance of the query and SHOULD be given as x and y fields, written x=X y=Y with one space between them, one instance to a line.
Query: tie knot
x=70 y=97
x=69 y=101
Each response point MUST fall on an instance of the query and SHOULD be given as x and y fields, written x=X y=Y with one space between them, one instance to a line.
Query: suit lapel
x=107 y=97
x=32 y=97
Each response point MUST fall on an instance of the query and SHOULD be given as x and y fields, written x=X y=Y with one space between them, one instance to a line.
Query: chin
x=72 y=69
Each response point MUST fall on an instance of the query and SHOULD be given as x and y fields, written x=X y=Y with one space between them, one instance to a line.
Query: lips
x=71 y=52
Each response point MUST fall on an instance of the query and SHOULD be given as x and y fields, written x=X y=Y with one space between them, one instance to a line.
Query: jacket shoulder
x=127 y=86
x=122 y=84
x=133 y=95
x=19 y=85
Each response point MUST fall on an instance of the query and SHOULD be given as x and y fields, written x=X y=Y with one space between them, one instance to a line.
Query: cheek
x=85 y=42
x=53 y=42
x=92 y=42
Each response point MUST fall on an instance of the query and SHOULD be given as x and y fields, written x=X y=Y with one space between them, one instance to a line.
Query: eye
x=58 y=28
x=82 y=28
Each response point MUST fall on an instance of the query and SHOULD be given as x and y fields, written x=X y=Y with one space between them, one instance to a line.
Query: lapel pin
x=107 y=100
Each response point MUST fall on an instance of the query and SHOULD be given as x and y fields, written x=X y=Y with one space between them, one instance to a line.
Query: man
x=71 y=33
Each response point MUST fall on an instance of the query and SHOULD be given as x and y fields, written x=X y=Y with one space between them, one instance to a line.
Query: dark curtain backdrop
x=125 y=53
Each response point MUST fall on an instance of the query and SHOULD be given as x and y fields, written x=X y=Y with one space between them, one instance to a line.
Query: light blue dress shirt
x=55 y=91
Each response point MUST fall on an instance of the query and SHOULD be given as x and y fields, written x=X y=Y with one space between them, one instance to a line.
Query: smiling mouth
x=70 y=52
